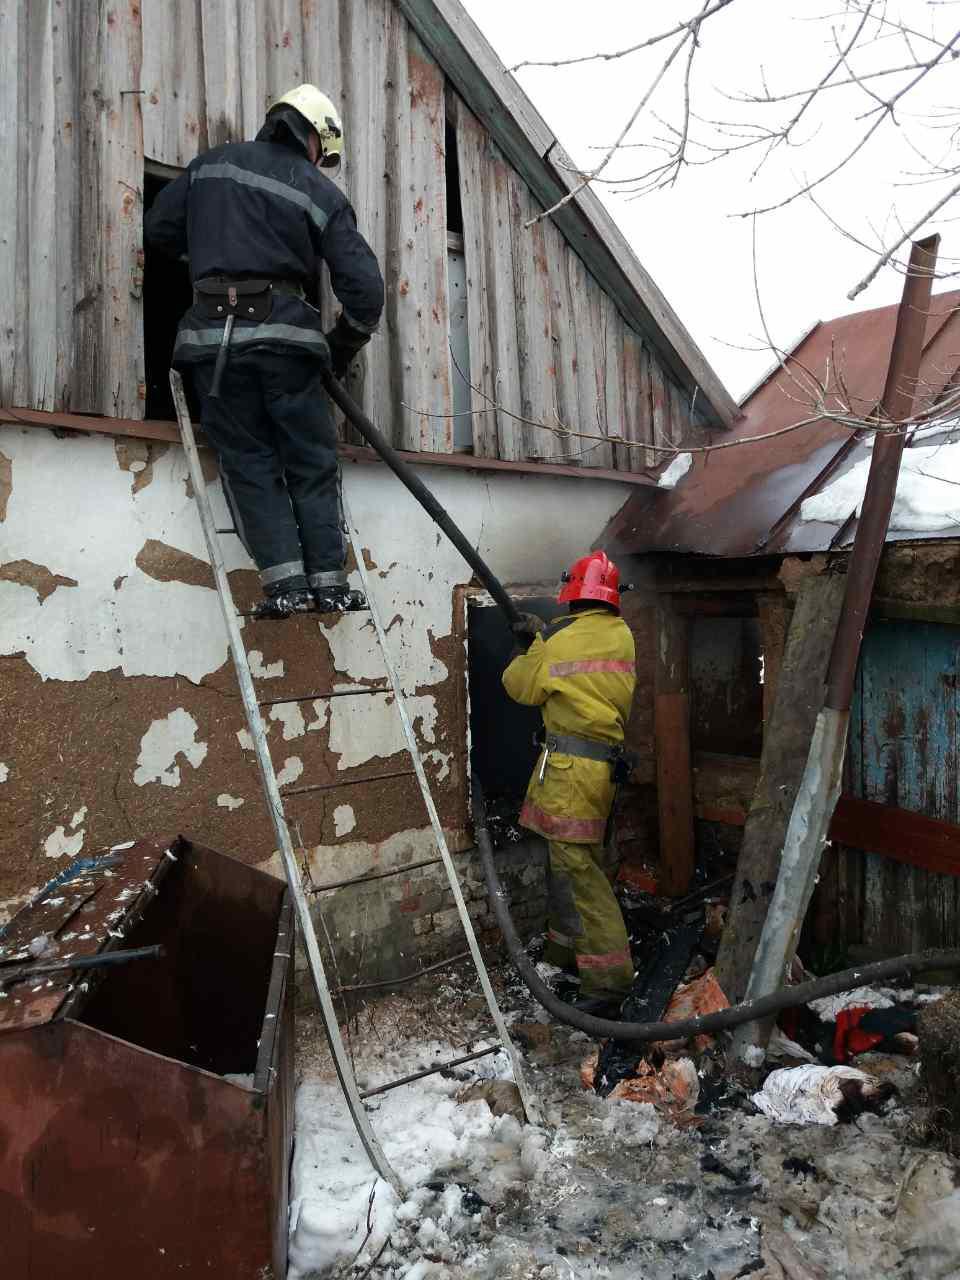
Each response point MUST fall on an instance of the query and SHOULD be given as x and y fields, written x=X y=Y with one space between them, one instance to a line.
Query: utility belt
x=218 y=297
x=221 y=298
x=621 y=761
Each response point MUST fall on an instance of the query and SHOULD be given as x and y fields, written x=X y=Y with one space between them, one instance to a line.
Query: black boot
x=285 y=605
x=338 y=599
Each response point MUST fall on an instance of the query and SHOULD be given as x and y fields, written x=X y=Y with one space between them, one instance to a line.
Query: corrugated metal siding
x=88 y=91
x=903 y=752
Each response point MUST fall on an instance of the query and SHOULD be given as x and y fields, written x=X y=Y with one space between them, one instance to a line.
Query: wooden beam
x=913 y=838
x=674 y=769
x=786 y=745
x=524 y=137
x=907 y=837
x=774 y=613
x=155 y=429
x=911 y=611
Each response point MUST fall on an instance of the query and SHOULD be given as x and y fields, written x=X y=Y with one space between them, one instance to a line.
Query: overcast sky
x=688 y=238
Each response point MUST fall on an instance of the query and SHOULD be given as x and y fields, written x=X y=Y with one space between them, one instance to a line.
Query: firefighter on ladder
x=580 y=671
x=256 y=220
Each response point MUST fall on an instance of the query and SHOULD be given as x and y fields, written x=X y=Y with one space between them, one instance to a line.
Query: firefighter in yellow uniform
x=580 y=671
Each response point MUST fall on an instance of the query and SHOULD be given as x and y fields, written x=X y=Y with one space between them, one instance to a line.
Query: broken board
x=786 y=743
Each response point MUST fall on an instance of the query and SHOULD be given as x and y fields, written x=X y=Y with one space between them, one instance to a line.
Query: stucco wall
x=119 y=713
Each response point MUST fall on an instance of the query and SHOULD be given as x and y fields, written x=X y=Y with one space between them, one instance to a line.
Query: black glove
x=345 y=343
x=337 y=359
x=525 y=628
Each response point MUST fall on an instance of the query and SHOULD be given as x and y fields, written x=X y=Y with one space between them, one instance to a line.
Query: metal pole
x=820 y=785
x=896 y=406
x=272 y=793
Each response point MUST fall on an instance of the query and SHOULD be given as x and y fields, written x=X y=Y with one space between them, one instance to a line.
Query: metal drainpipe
x=820 y=785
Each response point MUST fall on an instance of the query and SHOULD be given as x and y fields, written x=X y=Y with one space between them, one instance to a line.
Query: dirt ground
x=613 y=1189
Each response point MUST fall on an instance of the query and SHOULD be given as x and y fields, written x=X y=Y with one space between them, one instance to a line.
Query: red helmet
x=594 y=577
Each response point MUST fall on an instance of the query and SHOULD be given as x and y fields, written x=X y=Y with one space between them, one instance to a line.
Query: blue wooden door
x=903 y=752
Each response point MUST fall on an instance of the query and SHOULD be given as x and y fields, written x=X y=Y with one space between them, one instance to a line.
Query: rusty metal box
x=146 y=1110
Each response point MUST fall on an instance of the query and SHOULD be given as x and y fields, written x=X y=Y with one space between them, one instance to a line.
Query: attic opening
x=167 y=293
x=457 y=296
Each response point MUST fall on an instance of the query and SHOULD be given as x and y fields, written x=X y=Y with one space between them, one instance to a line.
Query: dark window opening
x=502 y=731
x=167 y=294
x=726 y=690
x=454 y=207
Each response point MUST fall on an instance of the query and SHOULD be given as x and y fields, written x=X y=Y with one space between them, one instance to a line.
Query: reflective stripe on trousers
x=582 y=907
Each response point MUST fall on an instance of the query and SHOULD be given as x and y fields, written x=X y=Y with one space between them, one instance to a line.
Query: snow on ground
x=427 y=1135
x=607 y=1189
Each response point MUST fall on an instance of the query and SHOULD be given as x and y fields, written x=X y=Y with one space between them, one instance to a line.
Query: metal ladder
x=274 y=799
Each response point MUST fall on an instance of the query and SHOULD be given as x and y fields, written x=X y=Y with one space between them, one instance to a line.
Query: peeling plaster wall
x=119 y=713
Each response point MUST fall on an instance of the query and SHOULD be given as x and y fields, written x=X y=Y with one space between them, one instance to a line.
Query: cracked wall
x=117 y=697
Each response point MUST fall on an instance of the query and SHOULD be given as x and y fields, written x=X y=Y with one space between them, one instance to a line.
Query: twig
x=707 y=12
x=373 y=1261
x=882 y=261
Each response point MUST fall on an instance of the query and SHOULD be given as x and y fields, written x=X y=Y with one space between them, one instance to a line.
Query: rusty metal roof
x=744 y=501
x=85 y=910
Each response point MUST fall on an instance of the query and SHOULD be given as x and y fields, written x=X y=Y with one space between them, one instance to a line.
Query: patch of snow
x=78 y=817
x=426 y=1134
x=226 y=801
x=928 y=497
x=245 y=740
x=675 y=472
x=632 y=1124
x=4 y=772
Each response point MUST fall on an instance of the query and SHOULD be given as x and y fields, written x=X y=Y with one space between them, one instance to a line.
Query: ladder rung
x=431 y=1071
x=228 y=531
x=409 y=977
x=379 y=875
x=347 y=782
x=336 y=693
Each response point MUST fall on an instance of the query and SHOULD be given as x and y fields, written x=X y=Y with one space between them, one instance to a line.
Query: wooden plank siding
x=91 y=90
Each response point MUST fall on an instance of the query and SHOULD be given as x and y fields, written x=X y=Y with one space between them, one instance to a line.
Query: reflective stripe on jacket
x=261 y=209
x=581 y=673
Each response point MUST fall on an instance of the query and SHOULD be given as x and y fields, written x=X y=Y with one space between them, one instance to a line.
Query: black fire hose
x=707 y=1024
x=404 y=472
x=603 y=1028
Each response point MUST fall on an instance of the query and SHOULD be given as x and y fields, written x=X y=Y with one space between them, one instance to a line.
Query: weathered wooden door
x=903 y=752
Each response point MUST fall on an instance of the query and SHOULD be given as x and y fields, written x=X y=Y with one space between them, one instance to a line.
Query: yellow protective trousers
x=584 y=922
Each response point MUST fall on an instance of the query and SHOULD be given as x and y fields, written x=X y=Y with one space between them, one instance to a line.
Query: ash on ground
x=608 y=1187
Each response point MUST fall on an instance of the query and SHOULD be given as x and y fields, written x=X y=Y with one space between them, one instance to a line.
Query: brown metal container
x=146 y=1110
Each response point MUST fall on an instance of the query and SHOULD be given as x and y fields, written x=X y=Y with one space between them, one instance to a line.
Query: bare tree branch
x=708 y=11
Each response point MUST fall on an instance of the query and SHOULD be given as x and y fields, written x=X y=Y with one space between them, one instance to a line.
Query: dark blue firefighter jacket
x=252 y=209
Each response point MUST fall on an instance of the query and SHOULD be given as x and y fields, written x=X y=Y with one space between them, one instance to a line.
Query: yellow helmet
x=320 y=113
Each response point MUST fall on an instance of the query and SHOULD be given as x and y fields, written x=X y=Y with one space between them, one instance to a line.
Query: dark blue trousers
x=274 y=435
